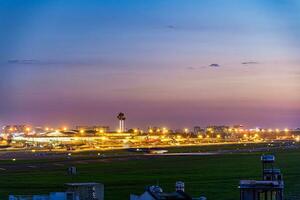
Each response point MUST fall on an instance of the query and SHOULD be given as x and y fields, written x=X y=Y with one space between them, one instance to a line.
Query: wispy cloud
x=26 y=61
x=214 y=65
x=171 y=27
x=66 y=63
x=250 y=63
x=191 y=68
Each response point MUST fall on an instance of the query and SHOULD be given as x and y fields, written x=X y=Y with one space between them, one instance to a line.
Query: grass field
x=214 y=176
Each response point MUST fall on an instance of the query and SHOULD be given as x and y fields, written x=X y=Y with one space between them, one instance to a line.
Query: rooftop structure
x=75 y=191
x=51 y=196
x=87 y=191
x=156 y=193
x=269 y=188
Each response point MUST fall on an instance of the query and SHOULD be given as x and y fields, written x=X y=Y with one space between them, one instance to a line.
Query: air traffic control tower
x=269 y=188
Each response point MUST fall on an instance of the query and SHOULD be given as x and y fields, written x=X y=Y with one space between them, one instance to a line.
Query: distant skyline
x=162 y=62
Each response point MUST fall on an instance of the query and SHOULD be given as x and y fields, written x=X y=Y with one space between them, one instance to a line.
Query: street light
x=286 y=130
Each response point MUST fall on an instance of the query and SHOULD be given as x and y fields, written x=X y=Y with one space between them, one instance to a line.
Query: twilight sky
x=176 y=63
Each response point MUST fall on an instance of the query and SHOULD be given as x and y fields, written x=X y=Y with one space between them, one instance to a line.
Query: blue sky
x=183 y=63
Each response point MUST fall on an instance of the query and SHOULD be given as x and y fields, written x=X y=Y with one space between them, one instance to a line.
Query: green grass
x=216 y=176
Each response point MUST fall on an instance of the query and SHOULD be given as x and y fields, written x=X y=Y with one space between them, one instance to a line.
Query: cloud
x=190 y=68
x=171 y=27
x=29 y=61
x=250 y=63
x=71 y=63
x=203 y=67
x=215 y=65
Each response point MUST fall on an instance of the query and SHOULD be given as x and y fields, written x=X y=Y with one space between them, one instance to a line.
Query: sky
x=174 y=63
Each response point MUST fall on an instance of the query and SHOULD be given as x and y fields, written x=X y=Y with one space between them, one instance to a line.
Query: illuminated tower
x=121 y=117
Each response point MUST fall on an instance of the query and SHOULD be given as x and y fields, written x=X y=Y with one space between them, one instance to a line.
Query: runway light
x=13 y=159
x=69 y=154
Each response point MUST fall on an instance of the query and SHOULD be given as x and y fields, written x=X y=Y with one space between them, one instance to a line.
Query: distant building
x=269 y=188
x=75 y=191
x=217 y=129
x=156 y=193
x=96 y=128
x=121 y=117
x=20 y=128
x=155 y=130
x=198 y=130
x=38 y=130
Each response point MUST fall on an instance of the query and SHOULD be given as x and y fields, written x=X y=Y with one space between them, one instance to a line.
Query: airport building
x=19 y=128
x=96 y=128
x=75 y=191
